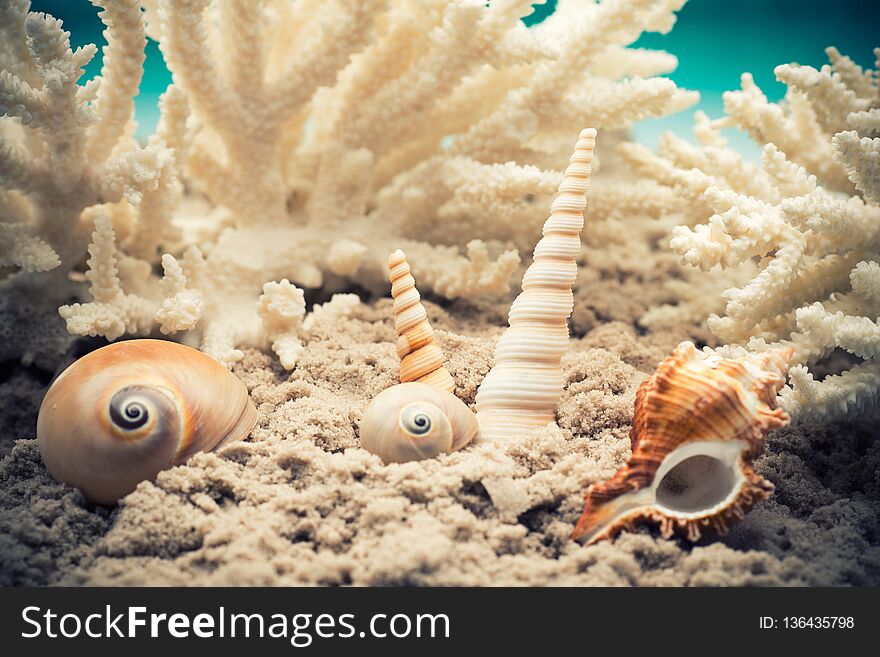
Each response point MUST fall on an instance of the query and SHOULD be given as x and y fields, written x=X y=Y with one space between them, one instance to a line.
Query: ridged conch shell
x=699 y=422
x=413 y=421
x=521 y=390
x=421 y=359
x=123 y=413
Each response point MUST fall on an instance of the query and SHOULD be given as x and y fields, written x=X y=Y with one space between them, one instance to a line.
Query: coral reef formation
x=285 y=125
x=809 y=216
x=123 y=413
x=520 y=392
x=114 y=312
x=282 y=308
x=699 y=423
x=66 y=156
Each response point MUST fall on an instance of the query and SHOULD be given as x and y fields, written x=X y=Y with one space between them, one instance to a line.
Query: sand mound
x=300 y=503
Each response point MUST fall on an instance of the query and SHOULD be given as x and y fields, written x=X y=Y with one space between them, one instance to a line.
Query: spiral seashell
x=413 y=421
x=421 y=359
x=123 y=413
x=521 y=390
x=699 y=422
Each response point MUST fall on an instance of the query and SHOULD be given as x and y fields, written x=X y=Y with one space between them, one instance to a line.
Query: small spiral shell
x=413 y=421
x=521 y=390
x=123 y=413
x=421 y=359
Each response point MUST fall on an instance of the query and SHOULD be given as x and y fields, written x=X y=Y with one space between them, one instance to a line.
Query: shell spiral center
x=129 y=408
x=415 y=421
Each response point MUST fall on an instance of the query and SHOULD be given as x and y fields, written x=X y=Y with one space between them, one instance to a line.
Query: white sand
x=301 y=503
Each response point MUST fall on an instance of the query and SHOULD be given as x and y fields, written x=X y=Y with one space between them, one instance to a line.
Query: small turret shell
x=421 y=359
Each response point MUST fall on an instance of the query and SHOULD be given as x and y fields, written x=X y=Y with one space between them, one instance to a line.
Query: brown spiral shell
x=123 y=413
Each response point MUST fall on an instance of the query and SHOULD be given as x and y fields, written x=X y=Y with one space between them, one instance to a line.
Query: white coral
x=282 y=307
x=66 y=154
x=817 y=286
x=30 y=253
x=182 y=308
x=114 y=312
x=315 y=136
x=333 y=136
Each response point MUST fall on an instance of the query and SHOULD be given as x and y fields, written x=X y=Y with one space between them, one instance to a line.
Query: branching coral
x=332 y=137
x=65 y=149
x=113 y=312
x=314 y=138
x=809 y=217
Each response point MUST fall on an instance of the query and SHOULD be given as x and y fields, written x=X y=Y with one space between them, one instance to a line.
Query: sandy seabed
x=300 y=503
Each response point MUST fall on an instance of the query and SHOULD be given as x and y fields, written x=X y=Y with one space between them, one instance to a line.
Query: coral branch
x=861 y=159
x=182 y=308
x=282 y=308
x=187 y=51
x=112 y=312
x=120 y=75
x=18 y=249
x=816 y=289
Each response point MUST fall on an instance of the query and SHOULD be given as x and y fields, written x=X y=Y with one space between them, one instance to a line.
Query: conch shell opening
x=699 y=422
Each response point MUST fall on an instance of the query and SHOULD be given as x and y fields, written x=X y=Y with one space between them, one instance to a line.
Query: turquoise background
x=715 y=41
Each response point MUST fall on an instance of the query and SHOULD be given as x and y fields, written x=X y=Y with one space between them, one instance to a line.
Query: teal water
x=717 y=40
x=714 y=40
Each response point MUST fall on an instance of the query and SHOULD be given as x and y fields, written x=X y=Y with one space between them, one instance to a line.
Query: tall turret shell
x=521 y=390
x=414 y=421
x=123 y=413
x=421 y=359
x=699 y=422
